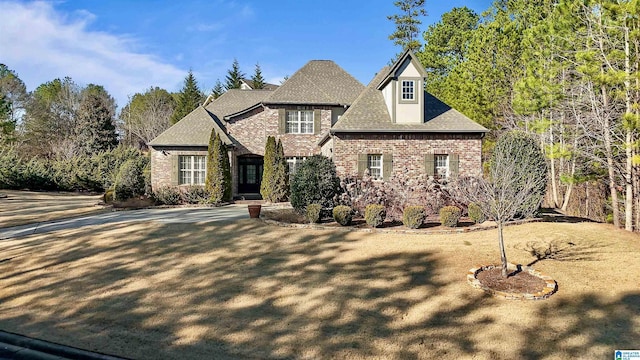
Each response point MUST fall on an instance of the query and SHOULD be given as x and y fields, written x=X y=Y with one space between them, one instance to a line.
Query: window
x=193 y=169
x=442 y=165
x=408 y=93
x=294 y=163
x=374 y=164
x=299 y=122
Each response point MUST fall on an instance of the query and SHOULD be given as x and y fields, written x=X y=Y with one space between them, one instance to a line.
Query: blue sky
x=128 y=46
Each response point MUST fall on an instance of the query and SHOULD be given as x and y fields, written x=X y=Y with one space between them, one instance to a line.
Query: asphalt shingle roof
x=267 y=86
x=369 y=113
x=319 y=82
x=193 y=130
x=235 y=100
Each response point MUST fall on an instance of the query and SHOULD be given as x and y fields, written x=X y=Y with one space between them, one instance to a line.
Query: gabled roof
x=369 y=113
x=236 y=101
x=392 y=72
x=193 y=130
x=319 y=82
x=267 y=86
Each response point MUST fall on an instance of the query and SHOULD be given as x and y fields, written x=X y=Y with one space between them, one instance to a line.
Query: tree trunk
x=609 y=155
x=503 y=254
x=628 y=174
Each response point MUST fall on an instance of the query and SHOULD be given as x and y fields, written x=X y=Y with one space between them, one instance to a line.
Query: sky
x=128 y=46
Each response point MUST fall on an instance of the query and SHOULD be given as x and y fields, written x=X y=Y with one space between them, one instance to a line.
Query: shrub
x=218 y=180
x=315 y=182
x=449 y=216
x=313 y=213
x=342 y=214
x=476 y=214
x=195 y=194
x=108 y=196
x=413 y=216
x=130 y=180
x=167 y=196
x=374 y=215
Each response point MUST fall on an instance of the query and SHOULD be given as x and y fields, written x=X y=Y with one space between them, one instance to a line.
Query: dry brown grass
x=25 y=207
x=250 y=290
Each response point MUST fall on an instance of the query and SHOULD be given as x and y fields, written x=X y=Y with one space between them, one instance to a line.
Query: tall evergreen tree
x=280 y=190
x=268 y=169
x=95 y=126
x=218 y=179
x=218 y=89
x=407 y=23
x=257 y=79
x=234 y=76
x=188 y=99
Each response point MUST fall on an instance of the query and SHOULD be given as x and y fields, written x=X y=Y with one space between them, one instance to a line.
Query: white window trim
x=297 y=123
x=379 y=166
x=294 y=163
x=447 y=170
x=191 y=170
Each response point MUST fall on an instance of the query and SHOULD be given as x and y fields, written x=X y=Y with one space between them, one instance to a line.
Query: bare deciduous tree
x=513 y=188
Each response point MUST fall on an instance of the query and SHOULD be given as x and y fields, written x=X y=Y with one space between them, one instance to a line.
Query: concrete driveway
x=171 y=215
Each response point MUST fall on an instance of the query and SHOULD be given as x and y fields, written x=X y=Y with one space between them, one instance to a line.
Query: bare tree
x=513 y=188
x=147 y=116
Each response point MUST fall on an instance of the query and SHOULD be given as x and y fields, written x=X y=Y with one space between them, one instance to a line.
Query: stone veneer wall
x=408 y=150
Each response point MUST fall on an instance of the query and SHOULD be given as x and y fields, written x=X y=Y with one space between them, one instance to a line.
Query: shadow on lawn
x=236 y=290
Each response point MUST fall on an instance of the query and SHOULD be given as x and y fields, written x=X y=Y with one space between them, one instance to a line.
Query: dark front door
x=249 y=174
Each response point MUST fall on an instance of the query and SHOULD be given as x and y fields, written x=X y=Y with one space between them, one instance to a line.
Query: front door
x=249 y=174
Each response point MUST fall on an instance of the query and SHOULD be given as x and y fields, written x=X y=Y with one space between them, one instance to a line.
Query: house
x=388 y=126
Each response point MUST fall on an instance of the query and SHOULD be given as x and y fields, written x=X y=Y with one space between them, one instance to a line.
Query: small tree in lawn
x=514 y=187
x=218 y=180
x=269 y=164
x=280 y=190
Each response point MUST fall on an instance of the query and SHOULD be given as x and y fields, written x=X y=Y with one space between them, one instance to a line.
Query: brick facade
x=408 y=150
x=161 y=165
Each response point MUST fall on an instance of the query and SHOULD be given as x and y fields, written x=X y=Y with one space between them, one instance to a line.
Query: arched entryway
x=249 y=174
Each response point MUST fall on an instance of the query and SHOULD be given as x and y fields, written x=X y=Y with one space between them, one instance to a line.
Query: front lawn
x=250 y=290
x=26 y=207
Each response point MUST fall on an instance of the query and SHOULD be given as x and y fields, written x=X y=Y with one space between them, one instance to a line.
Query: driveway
x=172 y=215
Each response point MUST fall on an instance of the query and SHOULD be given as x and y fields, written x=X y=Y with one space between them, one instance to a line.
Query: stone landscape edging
x=551 y=286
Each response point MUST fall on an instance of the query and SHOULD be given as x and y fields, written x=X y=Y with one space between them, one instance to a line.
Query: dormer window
x=408 y=90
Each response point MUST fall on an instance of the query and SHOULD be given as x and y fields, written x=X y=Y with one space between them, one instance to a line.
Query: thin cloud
x=41 y=44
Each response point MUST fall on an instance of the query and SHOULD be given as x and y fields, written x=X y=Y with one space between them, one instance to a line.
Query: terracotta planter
x=254 y=211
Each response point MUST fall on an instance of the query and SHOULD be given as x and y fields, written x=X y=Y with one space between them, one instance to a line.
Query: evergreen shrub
x=313 y=213
x=342 y=214
x=130 y=180
x=315 y=182
x=450 y=215
x=476 y=214
x=195 y=194
x=413 y=216
x=167 y=195
x=374 y=215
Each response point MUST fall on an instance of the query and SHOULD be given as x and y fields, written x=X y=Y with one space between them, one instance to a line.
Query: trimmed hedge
x=313 y=213
x=413 y=216
x=476 y=214
x=343 y=215
x=374 y=215
x=450 y=215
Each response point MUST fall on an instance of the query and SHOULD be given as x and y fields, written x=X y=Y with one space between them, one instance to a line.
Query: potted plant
x=254 y=211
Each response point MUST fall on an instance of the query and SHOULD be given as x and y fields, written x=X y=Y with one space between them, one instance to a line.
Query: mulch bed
x=515 y=282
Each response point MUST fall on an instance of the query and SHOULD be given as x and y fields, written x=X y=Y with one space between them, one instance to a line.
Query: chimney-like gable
x=403 y=90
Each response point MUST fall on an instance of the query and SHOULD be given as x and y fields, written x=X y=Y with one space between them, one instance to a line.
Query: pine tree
x=257 y=79
x=217 y=90
x=188 y=99
x=266 y=187
x=218 y=180
x=234 y=76
x=95 y=127
x=407 y=23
